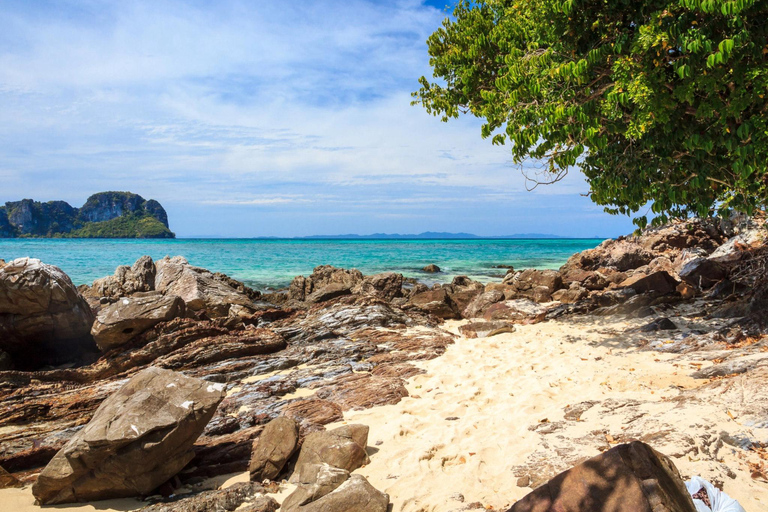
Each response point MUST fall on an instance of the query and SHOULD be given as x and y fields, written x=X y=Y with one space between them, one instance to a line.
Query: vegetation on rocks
x=656 y=101
x=129 y=226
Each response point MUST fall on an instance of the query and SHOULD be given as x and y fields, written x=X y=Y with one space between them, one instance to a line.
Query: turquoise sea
x=272 y=263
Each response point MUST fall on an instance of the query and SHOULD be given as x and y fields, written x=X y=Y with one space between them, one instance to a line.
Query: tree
x=660 y=101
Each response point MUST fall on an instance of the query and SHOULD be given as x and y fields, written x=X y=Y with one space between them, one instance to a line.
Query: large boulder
x=273 y=448
x=138 y=438
x=200 y=289
x=621 y=254
x=481 y=302
x=660 y=282
x=702 y=272
x=435 y=302
x=627 y=478
x=323 y=488
x=386 y=286
x=140 y=277
x=342 y=448
x=43 y=319
x=301 y=287
x=328 y=292
x=122 y=321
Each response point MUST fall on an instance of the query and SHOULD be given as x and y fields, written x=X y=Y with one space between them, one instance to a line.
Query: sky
x=258 y=118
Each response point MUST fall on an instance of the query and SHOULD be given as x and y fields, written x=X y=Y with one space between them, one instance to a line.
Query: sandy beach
x=495 y=416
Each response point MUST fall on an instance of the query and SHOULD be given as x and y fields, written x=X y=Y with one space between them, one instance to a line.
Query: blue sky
x=258 y=118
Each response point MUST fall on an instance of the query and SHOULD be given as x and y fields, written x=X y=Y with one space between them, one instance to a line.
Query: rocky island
x=638 y=365
x=104 y=215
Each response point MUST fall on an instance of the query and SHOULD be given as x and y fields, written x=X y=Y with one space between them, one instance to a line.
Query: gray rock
x=273 y=448
x=342 y=448
x=122 y=321
x=197 y=287
x=221 y=500
x=702 y=272
x=127 y=280
x=323 y=488
x=139 y=437
x=43 y=319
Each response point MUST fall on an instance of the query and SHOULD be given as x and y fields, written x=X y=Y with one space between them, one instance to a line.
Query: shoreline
x=474 y=393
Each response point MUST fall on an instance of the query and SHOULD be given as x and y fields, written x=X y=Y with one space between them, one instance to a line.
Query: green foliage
x=659 y=101
x=127 y=226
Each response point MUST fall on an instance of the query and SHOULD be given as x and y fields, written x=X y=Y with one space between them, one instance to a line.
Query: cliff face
x=104 y=215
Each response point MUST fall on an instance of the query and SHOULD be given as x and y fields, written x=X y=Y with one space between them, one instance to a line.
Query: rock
x=273 y=448
x=660 y=324
x=463 y=297
x=435 y=302
x=197 y=287
x=685 y=290
x=342 y=448
x=571 y=295
x=702 y=272
x=8 y=480
x=431 y=268
x=386 y=286
x=627 y=478
x=322 y=276
x=122 y=321
x=621 y=254
x=323 y=488
x=538 y=285
x=127 y=280
x=486 y=329
x=481 y=302
x=138 y=438
x=43 y=319
x=660 y=282
x=222 y=500
x=328 y=292
x=734 y=249
x=518 y=311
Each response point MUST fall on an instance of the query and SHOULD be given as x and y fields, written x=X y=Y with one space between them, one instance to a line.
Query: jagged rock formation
x=104 y=215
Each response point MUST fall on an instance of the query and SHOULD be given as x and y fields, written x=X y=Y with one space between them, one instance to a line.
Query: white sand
x=496 y=388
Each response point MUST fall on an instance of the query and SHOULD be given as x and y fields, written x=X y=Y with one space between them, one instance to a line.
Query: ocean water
x=272 y=263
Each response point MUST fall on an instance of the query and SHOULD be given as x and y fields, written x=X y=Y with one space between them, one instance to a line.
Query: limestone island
x=104 y=215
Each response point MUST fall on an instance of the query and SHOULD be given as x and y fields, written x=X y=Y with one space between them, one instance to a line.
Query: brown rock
x=481 y=302
x=431 y=268
x=138 y=438
x=486 y=329
x=322 y=276
x=273 y=448
x=660 y=282
x=702 y=272
x=43 y=319
x=122 y=321
x=197 y=287
x=686 y=290
x=8 y=480
x=328 y=292
x=386 y=286
x=435 y=302
x=323 y=488
x=627 y=478
x=342 y=448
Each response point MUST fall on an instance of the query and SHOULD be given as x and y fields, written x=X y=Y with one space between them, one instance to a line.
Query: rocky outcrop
x=481 y=302
x=197 y=287
x=273 y=448
x=129 y=317
x=140 y=277
x=517 y=311
x=139 y=437
x=660 y=282
x=386 y=286
x=628 y=478
x=342 y=448
x=43 y=319
x=537 y=285
x=324 y=488
x=435 y=302
x=96 y=218
x=321 y=277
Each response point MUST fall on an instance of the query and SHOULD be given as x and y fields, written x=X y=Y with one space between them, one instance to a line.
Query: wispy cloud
x=289 y=112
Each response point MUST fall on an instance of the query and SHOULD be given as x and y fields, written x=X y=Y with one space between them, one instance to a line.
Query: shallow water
x=272 y=263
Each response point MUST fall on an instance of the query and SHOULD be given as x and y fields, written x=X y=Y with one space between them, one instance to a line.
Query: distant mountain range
x=428 y=235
